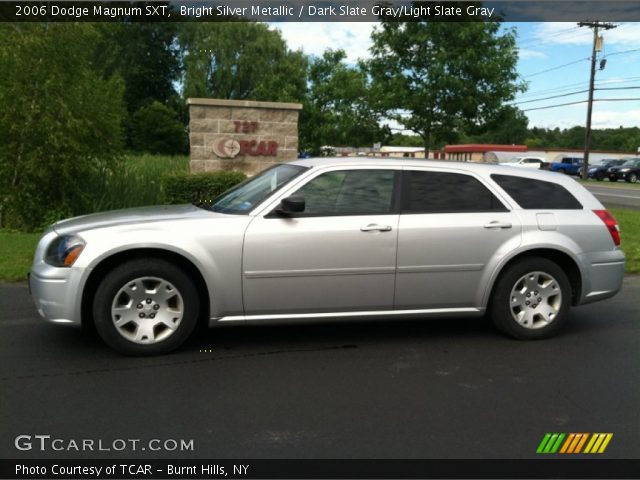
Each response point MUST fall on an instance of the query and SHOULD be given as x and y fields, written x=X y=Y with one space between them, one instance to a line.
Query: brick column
x=241 y=134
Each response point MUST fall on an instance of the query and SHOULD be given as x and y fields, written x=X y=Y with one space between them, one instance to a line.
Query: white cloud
x=624 y=36
x=316 y=37
x=612 y=119
x=525 y=53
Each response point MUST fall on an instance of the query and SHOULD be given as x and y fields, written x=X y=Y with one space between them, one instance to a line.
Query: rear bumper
x=603 y=278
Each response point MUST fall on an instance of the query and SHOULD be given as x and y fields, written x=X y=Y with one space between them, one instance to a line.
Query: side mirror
x=290 y=206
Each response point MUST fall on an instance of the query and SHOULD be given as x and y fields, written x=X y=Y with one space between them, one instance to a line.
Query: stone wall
x=241 y=134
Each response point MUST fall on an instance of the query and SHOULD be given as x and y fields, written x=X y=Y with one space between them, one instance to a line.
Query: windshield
x=242 y=198
x=631 y=162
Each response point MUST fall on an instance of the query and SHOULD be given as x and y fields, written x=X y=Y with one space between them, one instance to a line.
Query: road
x=433 y=389
x=616 y=196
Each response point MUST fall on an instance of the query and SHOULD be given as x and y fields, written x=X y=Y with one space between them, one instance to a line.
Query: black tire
x=632 y=178
x=599 y=176
x=500 y=308
x=185 y=301
x=562 y=170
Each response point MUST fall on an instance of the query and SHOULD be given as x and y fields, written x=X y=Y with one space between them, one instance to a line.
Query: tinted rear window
x=439 y=192
x=537 y=194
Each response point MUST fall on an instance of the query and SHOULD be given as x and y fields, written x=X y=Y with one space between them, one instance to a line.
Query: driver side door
x=338 y=255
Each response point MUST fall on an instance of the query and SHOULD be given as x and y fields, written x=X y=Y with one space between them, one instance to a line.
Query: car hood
x=130 y=216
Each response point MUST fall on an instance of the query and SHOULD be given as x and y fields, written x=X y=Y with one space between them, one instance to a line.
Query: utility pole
x=596 y=26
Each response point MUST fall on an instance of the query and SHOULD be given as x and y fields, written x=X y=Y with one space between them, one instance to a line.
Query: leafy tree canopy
x=240 y=60
x=440 y=77
x=337 y=111
x=60 y=121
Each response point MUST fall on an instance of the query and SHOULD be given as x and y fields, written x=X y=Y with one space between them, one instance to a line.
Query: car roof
x=483 y=168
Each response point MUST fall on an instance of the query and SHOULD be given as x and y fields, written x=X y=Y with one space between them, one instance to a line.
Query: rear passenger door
x=451 y=226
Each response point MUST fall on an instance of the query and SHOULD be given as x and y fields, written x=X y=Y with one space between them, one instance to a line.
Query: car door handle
x=496 y=224
x=374 y=227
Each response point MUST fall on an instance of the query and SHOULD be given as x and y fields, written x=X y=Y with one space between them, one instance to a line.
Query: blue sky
x=542 y=46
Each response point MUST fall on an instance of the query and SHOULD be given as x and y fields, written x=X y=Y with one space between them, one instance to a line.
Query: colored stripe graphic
x=550 y=443
x=598 y=443
x=568 y=442
x=543 y=443
x=581 y=443
x=573 y=443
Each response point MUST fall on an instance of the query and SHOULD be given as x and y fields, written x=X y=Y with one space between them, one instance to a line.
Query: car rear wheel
x=599 y=176
x=145 y=307
x=562 y=170
x=531 y=299
x=632 y=178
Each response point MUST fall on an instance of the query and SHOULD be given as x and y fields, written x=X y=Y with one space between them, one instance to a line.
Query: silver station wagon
x=336 y=239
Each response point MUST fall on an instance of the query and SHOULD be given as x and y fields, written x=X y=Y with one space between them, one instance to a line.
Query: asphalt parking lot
x=433 y=389
x=616 y=196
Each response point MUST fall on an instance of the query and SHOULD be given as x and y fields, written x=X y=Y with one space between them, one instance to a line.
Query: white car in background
x=526 y=162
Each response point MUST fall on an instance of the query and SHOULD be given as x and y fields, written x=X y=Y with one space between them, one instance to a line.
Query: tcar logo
x=574 y=443
x=226 y=148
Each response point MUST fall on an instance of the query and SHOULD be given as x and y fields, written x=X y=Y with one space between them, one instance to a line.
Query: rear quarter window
x=532 y=194
x=443 y=192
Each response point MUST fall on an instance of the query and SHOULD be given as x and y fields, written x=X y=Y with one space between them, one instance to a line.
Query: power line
x=572 y=93
x=569 y=86
x=623 y=52
x=582 y=101
x=633 y=87
x=555 y=68
x=549 y=98
x=537 y=39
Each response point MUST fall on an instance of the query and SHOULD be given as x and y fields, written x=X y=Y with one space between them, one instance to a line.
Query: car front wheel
x=145 y=307
x=632 y=178
x=531 y=299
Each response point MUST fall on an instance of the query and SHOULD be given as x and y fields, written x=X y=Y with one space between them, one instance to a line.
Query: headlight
x=64 y=251
x=624 y=170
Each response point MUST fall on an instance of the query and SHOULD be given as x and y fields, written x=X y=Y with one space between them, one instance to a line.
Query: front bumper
x=57 y=293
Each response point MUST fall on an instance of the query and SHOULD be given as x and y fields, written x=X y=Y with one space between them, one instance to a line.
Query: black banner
x=321 y=11
x=316 y=469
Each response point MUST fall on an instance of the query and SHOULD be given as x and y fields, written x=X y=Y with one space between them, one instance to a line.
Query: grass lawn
x=17 y=248
x=629 y=221
x=16 y=255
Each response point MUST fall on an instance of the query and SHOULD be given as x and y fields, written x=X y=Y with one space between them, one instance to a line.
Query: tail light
x=611 y=223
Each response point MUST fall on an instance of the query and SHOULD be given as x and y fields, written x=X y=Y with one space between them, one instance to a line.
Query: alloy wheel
x=535 y=300
x=147 y=310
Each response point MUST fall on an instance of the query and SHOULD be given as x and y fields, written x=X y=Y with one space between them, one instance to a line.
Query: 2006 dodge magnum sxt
x=336 y=238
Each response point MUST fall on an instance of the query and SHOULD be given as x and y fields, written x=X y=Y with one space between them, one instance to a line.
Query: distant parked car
x=568 y=165
x=336 y=238
x=526 y=162
x=629 y=171
x=598 y=170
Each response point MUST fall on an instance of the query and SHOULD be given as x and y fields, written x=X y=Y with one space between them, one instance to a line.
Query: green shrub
x=201 y=188
x=155 y=128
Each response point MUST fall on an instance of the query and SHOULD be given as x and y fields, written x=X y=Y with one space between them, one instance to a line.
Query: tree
x=60 y=121
x=147 y=58
x=508 y=127
x=440 y=77
x=240 y=60
x=145 y=55
x=155 y=128
x=337 y=110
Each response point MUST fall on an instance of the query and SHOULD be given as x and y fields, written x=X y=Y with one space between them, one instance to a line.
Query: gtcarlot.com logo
x=573 y=443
